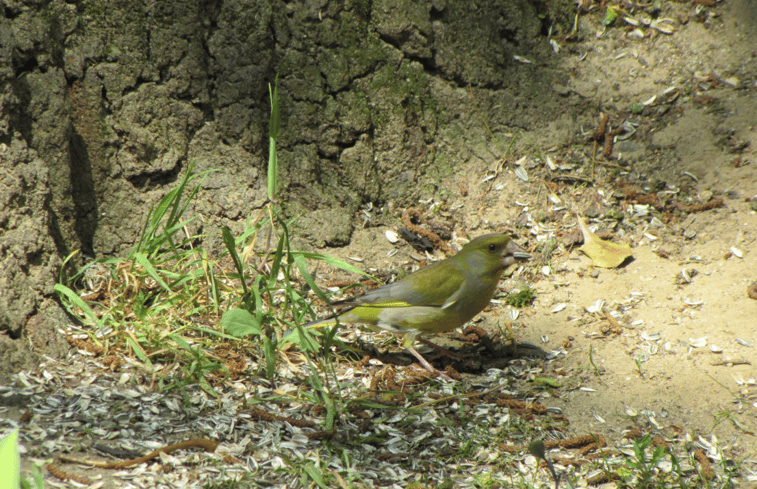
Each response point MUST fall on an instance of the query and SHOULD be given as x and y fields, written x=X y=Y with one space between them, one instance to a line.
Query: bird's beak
x=514 y=253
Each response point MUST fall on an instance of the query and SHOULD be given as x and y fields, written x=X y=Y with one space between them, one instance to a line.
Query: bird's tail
x=319 y=323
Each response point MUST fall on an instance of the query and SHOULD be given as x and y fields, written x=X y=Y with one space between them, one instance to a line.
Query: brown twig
x=64 y=476
x=204 y=443
x=268 y=416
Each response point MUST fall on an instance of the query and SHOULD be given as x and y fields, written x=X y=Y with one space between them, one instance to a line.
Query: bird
x=437 y=298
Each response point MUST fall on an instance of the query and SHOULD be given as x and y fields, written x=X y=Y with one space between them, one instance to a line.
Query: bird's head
x=492 y=253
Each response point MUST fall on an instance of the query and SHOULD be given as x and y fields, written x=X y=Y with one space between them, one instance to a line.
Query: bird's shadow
x=472 y=353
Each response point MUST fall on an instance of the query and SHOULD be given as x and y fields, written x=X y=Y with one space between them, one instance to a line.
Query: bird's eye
x=492 y=247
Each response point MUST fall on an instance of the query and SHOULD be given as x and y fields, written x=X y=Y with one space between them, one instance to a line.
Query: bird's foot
x=443 y=352
x=428 y=366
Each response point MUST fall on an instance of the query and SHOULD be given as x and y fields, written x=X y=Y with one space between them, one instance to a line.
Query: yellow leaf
x=604 y=254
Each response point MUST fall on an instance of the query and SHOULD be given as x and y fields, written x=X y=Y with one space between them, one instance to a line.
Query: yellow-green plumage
x=436 y=298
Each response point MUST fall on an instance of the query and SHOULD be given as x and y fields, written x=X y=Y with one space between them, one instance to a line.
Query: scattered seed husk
x=691 y=302
x=650 y=101
x=392 y=236
x=551 y=164
x=650 y=336
x=663 y=25
x=521 y=173
x=604 y=254
x=685 y=276
x=596 y=307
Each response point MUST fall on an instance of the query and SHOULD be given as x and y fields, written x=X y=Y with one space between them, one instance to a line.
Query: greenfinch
x=437 y=298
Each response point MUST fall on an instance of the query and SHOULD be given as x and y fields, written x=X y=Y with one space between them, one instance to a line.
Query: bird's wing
x=405 y=293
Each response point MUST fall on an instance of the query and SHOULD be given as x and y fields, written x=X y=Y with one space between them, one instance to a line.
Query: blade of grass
x=131 y=339
x=315 y=475
x=274 y=130
x=228 y=240
x=276 y=265
x=142 y=259
x=334 y=262
x=73 y=298
x=269 y=348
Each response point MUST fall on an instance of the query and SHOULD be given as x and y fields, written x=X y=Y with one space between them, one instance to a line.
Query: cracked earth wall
x=104 y=104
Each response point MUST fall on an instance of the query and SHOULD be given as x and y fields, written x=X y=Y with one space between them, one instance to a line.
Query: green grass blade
x=145 y=232
x=141 y=258
x=182 y=343
x=212 y=332
x=302 y=266
x=274 y=130
x=228 y=240
x=334 y=262
x=256 y=297
x=273 y=169
x=172 y=200
x=315 y=475
x=139 y=352
x=71 y=297
x=269 y=347
x=276 y=265
x=215 y=293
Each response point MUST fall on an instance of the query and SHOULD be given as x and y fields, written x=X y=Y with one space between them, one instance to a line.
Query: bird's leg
x=427 y=365
x=444 y=352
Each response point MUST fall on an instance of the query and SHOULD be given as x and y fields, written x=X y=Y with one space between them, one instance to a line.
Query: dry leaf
x=604 y=254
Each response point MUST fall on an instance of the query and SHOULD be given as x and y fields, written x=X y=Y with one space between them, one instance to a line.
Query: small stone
x=752 y=291
x=753 y=204
x=689 y=234
x=594 y=211
x=594 y=273
x=705 y=196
